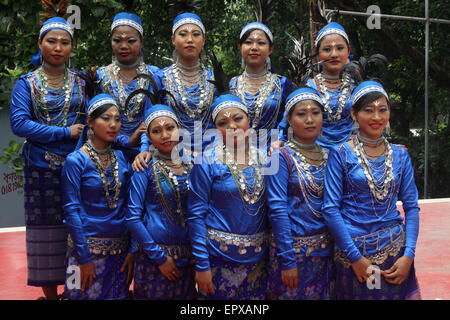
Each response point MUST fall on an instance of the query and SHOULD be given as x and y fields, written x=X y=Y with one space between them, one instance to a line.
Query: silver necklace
x=343 y=95
x=373 y=142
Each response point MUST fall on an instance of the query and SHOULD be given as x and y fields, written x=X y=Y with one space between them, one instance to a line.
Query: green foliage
x=13 y=157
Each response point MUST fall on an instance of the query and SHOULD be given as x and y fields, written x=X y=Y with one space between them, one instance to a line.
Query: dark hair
x=366 y=99
x=247 y=34
x=100 y=110
x=317 y=103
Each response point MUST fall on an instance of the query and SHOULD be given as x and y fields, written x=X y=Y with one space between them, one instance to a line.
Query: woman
x=187 y=81
x=301 y=264
x=156 y=216
x=95 y=191
x=263 y=92
x=47 y=105
x=119 y=79
x=364 y=179
x=227 y=210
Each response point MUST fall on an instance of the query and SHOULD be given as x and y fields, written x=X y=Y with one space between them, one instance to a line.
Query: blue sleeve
x=283 y=125
x=333 y=192
x=409 y=196
x=200 y=183
x=277 y=200
x=283 y=128
x=23 y=124
x=122 y=140
x=134 y=212
x=73 y=209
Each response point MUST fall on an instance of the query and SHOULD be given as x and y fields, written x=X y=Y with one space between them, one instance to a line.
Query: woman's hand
x=140 y=163
x=290 y=278
x=135 y=138
x=169 y=269
x=129 y=264
x=361 y=269
x=275 y=146
x=87 y=275
x=204 y=281
x=399 y=271
x=75 y=130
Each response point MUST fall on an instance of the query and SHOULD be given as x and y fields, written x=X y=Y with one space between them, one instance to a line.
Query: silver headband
x=158 y=114
x=328 y=32
x=127 y=22
x=100 y=103
x=228 y=104
x=257 y=27
x=188 y=21
x=368 y=89
x=56 y=25
x=302 y=97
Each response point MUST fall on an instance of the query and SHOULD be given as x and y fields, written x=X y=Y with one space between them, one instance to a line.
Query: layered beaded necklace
x=177 y=76
x=343 y=95
x=171 y=178
x=138 y=100
x=261 y=92
x=379 y=188
x=94 y=155
x=250 y=192
x=43 y=107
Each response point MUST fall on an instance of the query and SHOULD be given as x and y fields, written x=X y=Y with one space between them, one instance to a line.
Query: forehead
x=257 y=34
x=161 y=121
x=329 y=39
x=129 y=31
x=380 y=102
x=112 y=111
x=230 y=112
x=190 y=27
x=55 y=33
x=306 y=104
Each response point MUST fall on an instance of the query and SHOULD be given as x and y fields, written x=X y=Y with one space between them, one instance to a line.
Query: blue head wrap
x=302 y=94
x=51 y=24
x=257 y=26
x=331 y=28
x=367 y=87
x=128 y=19
x=226 y=101
x=100 y=100
x=159 y=110
x=187 y=18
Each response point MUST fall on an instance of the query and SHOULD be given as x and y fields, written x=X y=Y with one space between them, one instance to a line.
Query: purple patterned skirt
x=316 y=279
x=237 y=281
x=46 y=235
x=151 y=284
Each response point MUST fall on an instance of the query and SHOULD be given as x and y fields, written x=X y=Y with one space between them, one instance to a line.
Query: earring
x=242 y=63
x=90 y=134
x=355 y=129
x=175 y=56
x=387 y=130
x=268 y=64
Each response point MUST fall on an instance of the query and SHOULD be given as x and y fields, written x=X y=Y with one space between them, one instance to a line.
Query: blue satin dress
x=98 y=233
x=154 y=221
x=301 y=238
x=228 y=235
x=364 y=226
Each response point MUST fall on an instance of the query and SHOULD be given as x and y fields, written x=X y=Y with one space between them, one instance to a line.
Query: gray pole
x=427 y=39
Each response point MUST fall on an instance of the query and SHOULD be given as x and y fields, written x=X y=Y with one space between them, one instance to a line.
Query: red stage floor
x=432 y=257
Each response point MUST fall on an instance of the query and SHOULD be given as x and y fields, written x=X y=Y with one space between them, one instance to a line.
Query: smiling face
x=333 y=52
x=233 y=125
x=164 y=134
x=188 y=41
x=106 y=127
x=306 y=121
x=373 y=118
x=56 y=46
x=126 y=44
x=255 y=49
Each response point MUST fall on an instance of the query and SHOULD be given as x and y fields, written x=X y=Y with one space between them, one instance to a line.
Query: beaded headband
x=371 y=88
x=228 y=104
x=99 y=103
x=127 y=22
x=331 y=28
x=188 y=21
x=56 y=25
x=257 y=26
x=160 y=113
x=302 y=97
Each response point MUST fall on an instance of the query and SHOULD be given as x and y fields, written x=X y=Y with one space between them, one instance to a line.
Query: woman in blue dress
x=263 y=92
x=47 y=109
x=119 y=79
x=365 y=177
x=95 y=184
x=156 y=216
x=227 y=210
x=301 y=263
x=187 y=81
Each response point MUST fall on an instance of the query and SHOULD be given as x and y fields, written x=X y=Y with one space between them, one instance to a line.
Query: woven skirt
x=46 y=235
